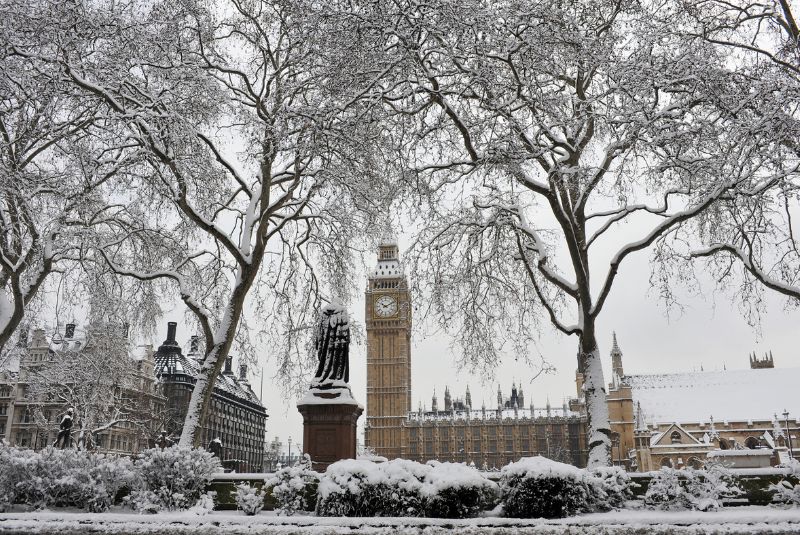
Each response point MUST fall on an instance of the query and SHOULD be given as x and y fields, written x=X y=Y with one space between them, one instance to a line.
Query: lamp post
x=788 y=433
x=289 y=461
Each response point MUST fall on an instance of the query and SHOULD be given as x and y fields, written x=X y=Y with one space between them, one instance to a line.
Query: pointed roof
x=615 y=346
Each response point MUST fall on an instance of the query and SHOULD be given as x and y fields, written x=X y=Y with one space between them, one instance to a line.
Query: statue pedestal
x=329 y=427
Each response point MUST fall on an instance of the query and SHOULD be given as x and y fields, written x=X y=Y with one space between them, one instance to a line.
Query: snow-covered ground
x=749 y=520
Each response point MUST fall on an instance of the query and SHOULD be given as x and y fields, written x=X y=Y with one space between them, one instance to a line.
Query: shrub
x=172 y=479
x=786 y=491
x=538 y=487
x=295 y=487
x=61 y=478
x=249 y=499
x=708 y=487
x=665 y=490
x=609 y=487
x=453 y=490
x=352 y=488
x=701 y=490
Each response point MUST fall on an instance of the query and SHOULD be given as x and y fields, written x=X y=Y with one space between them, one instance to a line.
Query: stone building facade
x=237 y=417
x=486 y=437
x=34 y=423
x=678 y=419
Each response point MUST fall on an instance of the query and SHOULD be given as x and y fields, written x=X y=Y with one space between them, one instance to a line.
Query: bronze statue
x=65 y=430
x=332 y=346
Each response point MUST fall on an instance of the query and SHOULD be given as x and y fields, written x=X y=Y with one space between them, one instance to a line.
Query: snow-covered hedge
x=536 y=487
x=701 y=490
x=454 y=490
x=403 y=488
x=172 y=479
x=54 y=477
x=295 y=487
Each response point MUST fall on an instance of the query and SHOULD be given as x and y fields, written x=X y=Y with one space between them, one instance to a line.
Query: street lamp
x=788 y=433
x=289 y=462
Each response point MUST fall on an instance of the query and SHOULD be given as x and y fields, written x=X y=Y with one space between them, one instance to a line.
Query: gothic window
x=724 y=444
x=751 y=443
x=695 y=463
x=675 y=437
x=666 y=462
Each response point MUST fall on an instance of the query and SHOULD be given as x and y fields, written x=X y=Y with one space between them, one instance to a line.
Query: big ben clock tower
x=388 y=321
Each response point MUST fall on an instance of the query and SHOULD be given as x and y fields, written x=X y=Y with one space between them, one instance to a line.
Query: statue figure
x=163 y=441
x=332 y=346
x=215 y=448
x=64 y=431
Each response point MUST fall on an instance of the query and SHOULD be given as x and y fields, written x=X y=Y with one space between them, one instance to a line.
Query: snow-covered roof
x=177 y=363
x=387 y=269
x=730 y=395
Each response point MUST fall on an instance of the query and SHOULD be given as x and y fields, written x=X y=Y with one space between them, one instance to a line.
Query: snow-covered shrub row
x=609 y=488
x=54 y=477
x=701 y=490
x=403 y=488
x=174 y=478
x=295 y=487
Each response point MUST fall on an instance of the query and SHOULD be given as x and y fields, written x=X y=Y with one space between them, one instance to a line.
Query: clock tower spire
x=388 y=325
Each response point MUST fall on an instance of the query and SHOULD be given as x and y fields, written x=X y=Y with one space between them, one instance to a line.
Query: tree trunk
x=594 y=392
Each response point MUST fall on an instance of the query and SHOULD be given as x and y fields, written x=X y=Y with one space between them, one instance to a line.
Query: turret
x=448 y=402
x=468 y=399
x=520 y=397
x=434 y=403
x=499 y=398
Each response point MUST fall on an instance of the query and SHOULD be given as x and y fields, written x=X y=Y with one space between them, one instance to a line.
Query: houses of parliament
x=489 y=437
x=656 y=419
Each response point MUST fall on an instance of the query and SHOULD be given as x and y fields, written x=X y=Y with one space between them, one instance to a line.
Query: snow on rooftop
x=730 y=395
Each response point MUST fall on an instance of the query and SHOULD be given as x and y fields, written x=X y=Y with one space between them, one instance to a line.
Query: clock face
x=385 y=306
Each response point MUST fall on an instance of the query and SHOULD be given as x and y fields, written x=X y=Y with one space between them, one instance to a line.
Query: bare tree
x=52 y=170
x=758 y=234
x=538 y=130
x=252 y=120
x=95 y=374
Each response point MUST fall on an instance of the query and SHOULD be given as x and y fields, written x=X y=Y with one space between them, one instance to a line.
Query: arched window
x=695 y=463
x=666 y=462
x=675 y=437
x=724 y=444
x=751 y=443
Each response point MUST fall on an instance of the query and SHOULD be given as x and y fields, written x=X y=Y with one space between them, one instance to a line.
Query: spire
x=616 y=358
x=468 y=399
x=448 y=402
x=434 y=404
x=499 y=397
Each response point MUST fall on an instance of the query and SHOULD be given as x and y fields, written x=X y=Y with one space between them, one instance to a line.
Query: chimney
x=243 y=373
x=172 y=327
x=69 y=332
x=229 y=366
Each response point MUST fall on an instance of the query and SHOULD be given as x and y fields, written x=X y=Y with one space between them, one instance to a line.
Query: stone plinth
x=329 y=429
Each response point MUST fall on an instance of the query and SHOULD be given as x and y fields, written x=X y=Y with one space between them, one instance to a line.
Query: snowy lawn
x=752 y=519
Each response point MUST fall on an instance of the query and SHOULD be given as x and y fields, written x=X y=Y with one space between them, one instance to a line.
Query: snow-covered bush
x=403 y=488
x=249 y=499
x=665 y=490
x=709 y=486
x=54 y=477
x=454 y=490
x=702 y=490
x=354 y=488
x=295 y=487
x=786 y=491
x=172 y=479
x=539 y=487
x=609 y=487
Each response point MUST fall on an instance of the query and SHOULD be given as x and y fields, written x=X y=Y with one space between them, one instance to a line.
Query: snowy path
x=730 y=521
